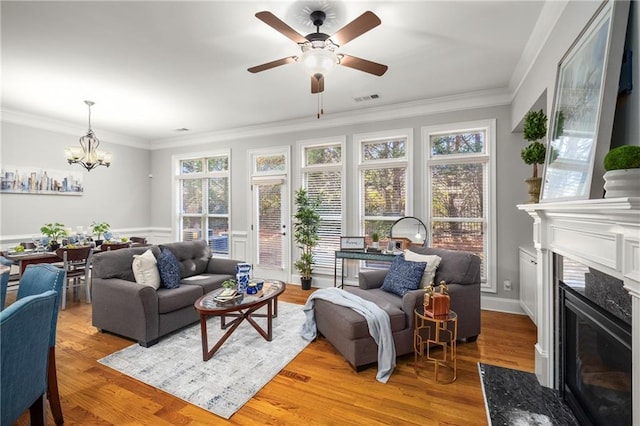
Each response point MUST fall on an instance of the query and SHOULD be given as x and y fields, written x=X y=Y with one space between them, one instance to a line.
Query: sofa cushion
x=193 y=256
x=117 y=263
x=460 y=267
x=403 y=276
x=169 y=269
x=170 y=300
x=432 y=262
x=208 y=282
x=145 y=269
x=353 y=325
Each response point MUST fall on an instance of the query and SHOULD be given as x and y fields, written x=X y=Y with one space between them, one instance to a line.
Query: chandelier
x=87 y=154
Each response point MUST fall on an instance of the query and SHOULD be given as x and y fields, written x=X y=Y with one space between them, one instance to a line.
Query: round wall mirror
x=410 y=228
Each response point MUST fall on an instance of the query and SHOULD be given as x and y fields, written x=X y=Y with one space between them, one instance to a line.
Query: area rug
x=237 y=371
x=515 y=397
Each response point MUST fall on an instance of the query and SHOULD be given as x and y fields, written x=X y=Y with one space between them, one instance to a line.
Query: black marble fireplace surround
x=594 y=344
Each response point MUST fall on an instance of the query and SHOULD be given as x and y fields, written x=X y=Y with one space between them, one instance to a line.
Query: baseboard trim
x=498 y=304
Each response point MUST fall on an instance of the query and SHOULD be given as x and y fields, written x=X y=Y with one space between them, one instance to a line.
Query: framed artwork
x=31 y=180
x=583 y=107
x=352 y=243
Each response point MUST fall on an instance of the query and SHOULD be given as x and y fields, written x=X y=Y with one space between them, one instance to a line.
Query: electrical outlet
x=507 y=285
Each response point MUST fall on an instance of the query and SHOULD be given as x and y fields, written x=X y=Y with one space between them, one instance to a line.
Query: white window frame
x=489 y=283
x=358 y=141
x=341 y=167
x=175 y=190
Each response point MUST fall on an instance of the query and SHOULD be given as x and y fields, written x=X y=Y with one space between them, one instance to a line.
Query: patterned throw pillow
x=145 y=269
x=403 y=276
x=169 y=269
x=432 y=264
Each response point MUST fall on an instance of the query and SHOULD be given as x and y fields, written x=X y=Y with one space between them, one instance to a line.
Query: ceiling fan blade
x=363 y=23
x=272 y=64
x=274 y=22
x=363 y=65
x=317 y=84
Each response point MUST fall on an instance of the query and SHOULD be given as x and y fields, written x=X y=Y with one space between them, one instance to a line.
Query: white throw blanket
x=377 y=319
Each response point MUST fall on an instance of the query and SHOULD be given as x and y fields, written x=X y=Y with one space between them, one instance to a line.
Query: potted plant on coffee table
x=54 y=231
x=535 y=128
x=622 y=177
x=98 y=229
x=306 y=225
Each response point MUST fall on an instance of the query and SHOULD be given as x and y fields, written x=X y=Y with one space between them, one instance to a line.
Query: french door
x=270 y=225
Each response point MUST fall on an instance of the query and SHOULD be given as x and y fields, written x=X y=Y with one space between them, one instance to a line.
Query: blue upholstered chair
x=24 y=346
x=5 y=271
x=37 y=279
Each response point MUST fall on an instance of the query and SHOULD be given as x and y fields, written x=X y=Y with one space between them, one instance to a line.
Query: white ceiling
x=152 y=67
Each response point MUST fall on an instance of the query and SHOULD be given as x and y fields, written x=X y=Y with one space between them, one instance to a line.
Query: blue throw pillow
x=403 y=276
x=169 y=269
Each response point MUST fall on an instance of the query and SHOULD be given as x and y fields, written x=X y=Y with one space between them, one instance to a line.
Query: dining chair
x=113 y=246
x=76 y=262
x=38 y=279
x=24 y=341
x=138 y=240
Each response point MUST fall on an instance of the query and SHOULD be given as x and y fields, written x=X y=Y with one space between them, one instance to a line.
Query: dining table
x=29 y=257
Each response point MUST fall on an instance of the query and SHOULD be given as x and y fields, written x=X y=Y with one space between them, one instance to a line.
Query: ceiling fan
x=319 y=50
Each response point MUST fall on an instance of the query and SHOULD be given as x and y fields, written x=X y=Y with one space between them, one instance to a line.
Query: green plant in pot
x=98 y=229
x=622 y=177
x=305 y=233
x=54 y=231
x=375 y=239
x=535 y=128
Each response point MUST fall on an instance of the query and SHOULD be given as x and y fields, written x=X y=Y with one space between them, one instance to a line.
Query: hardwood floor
x=317 y=388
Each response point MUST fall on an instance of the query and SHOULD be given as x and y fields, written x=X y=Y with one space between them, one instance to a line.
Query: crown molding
x=549 y=15
x=58 y=126
x=479 y=99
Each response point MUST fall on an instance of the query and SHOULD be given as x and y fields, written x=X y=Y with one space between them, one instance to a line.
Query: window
x=384 y=171
x=204 y=200
x=323 y=175
x=459 y=193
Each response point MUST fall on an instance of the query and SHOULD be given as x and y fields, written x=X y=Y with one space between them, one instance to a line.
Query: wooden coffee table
x=240 y=310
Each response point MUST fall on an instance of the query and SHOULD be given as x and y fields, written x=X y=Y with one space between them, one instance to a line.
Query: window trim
x=178 y=176
x=301 y=145
x=361 y=164
x=489 y=126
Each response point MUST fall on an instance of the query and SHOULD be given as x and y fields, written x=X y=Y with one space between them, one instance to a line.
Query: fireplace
x=603 y=235
x=594 y=341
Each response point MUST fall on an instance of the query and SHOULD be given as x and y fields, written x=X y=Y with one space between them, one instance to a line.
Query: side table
x=431 y=334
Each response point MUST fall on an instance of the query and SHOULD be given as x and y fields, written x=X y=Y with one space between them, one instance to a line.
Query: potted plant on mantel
x=622 y=177
x=306 y=225
x=98 y=229
x=54 y=231
x=535 y=128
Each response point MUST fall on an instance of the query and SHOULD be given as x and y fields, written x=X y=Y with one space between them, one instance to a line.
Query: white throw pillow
x=432 y=264
x=145 y=270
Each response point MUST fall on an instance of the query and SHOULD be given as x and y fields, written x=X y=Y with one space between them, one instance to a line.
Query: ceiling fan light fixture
x=318 y=61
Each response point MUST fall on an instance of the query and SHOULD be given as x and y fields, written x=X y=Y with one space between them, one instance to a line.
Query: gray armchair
x=348 y=331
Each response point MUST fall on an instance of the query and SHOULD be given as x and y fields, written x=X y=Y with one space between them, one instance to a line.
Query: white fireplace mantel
x=603 y=234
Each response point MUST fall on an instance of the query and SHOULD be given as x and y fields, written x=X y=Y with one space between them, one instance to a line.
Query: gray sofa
x=348 y=331
x=139 y=312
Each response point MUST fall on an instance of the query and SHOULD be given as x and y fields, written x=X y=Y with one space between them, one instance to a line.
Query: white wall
x=118 y=195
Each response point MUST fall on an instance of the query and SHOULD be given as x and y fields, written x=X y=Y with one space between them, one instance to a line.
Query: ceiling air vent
x=366 y=98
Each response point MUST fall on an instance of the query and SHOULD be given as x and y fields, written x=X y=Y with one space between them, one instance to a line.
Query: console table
x=356 y=255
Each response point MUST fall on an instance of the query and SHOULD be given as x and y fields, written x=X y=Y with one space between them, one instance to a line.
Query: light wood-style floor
x=317 y=388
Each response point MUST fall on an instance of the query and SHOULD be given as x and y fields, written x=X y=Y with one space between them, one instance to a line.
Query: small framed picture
x=352 y=243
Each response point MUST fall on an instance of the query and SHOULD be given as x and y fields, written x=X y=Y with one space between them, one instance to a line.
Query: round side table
x=434 y=341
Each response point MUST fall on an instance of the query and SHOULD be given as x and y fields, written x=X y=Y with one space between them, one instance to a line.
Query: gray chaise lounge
x=348 y=331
